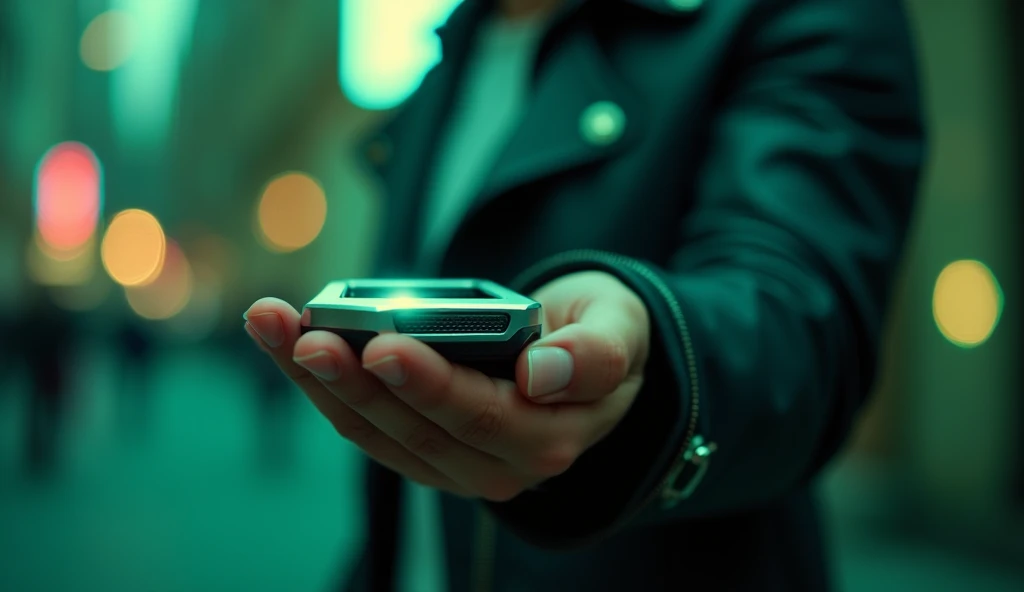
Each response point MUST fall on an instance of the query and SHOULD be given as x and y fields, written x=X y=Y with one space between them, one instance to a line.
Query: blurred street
x=184 y=505
x=184 y=502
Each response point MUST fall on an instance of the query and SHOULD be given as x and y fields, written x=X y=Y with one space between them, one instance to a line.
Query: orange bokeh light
x=291 y=212
x=133 y=248
x=169 y=292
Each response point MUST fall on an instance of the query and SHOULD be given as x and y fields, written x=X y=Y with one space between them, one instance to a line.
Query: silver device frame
x=330 y=309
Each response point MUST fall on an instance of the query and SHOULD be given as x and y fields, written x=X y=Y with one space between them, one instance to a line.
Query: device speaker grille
x=441 y=322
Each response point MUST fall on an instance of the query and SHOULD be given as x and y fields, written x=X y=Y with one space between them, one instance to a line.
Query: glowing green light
x=387 y=47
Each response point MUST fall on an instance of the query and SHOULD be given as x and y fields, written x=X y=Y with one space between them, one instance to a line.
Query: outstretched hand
x=453 y=428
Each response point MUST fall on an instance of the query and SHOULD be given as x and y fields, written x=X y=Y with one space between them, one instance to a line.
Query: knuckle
x=618 y=357
x=424 y=440
x=301 y=377
x=484 y=427
x=617 y=361
x=462 y=492
x=433 y=395
x=357 y=430
x=500 y=490
x=554 y=460
x=356 y=396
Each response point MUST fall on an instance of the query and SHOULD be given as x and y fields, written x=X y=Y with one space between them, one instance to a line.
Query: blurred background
x=163 y=163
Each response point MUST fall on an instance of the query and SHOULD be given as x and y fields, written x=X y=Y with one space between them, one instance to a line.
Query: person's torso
x=604 y=155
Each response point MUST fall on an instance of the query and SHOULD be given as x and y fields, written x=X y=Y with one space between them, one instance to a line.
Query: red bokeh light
x=68 y=196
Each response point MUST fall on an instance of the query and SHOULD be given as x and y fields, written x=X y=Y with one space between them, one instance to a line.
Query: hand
x=453 y=428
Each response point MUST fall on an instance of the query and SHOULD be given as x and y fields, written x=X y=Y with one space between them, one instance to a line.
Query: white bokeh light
x=143 y=90
x=386 y=48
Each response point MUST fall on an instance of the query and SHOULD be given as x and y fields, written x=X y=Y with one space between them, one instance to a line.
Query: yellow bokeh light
x=69 y=268
x=107 y=42
x=967 y=302
x=57 y=254
x=291 y=212
x=169 y=293
x=133 y=248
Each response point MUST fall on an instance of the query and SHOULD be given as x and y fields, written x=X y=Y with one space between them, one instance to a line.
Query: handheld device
x=472 y=322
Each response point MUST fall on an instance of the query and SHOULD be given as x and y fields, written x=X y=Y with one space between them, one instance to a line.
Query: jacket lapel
x=575 y=95
x=401 y=151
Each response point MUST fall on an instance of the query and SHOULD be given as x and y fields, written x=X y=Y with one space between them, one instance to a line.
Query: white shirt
x=486 y=111
x=488 y=106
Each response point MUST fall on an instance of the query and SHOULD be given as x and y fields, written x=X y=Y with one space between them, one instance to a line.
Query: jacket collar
x=548 y=140
x=675 y=8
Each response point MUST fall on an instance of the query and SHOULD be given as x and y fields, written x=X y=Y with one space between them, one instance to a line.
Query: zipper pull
x=692 y=464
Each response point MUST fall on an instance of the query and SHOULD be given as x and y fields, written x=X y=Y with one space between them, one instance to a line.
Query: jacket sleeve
x=767 y=318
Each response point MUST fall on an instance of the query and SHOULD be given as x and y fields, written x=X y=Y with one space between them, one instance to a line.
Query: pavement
x=185 y=501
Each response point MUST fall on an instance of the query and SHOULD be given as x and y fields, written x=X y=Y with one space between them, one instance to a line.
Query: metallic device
x=472 y=322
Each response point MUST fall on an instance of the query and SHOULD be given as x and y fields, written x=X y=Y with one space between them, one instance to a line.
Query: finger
x=364 y=394
x=277 y=328
x=274 y=325
x=485 y=413
x=588 y=358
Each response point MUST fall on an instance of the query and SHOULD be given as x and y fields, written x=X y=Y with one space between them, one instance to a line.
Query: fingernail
x=321 y=364
x=268 y=326
x=389 y=369
x=550 y=371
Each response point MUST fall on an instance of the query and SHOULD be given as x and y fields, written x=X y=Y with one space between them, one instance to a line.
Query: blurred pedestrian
x=47 y=346
x=135 y=346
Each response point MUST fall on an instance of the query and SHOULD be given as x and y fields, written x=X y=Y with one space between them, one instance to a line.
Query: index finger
x=277 y=328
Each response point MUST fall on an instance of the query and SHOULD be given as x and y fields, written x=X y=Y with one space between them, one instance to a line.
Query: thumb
x=588 y=358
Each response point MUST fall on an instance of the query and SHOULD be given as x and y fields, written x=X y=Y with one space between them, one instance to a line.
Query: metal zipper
x=694 y=453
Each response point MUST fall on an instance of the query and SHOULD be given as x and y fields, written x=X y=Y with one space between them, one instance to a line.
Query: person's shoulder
x=828 y=15
x=741 y=19
x=858 y=33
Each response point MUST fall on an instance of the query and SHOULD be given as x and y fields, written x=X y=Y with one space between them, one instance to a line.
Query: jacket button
x=685 y=5
x=602 y=123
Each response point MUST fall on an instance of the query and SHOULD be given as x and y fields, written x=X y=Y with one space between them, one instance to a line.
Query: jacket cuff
x=625 y=473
